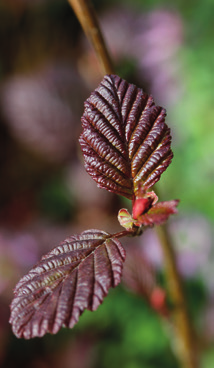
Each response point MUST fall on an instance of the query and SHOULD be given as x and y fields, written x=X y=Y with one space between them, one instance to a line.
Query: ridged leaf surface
x=74 y=276
x=125 y=141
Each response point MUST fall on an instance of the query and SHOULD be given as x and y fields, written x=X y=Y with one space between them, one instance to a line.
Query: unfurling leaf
x=125 y=219
x=125 y=141
x=158 y=213
x=146 y=212
x=73 y=277
x=142 y=204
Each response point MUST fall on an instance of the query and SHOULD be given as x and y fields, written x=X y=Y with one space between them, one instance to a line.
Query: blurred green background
x=47 y=69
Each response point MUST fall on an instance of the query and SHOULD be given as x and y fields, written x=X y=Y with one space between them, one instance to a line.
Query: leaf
x=73 y=277
x=125 y=141
x=125 y=219
x=158 y=214
x=146 y=212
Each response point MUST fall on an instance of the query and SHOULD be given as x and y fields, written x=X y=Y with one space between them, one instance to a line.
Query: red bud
x=141 y=205
x=158 y=299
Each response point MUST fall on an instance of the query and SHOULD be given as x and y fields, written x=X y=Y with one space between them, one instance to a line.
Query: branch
x=183 y=334
x=85 y=13
x=185 y=349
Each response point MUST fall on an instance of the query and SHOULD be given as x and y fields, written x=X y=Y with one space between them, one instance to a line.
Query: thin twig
x=88 y=20
x=184 y=342
x=182 y=327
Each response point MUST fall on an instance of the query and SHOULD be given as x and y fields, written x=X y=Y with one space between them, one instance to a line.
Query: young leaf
x=125 y=219
x=146 y=212
x=158 y=213
x=143 y=204
x=125 y=140
x=74 y=276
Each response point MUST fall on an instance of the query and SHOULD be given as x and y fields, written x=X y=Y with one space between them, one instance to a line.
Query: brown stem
x=85 y=13
x=184 y=343
x=182 y=331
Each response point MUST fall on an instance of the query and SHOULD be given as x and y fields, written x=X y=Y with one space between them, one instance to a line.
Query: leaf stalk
x=121 y=234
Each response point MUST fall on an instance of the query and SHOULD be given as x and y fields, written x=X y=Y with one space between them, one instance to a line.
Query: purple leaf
x=73 y=277
x=125 y=141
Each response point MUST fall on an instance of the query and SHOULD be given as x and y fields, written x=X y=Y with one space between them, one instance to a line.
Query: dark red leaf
x=159 y=213
x=73 y=277
x=125 y=140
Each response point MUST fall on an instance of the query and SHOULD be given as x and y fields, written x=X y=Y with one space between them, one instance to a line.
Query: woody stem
x=86 y=14
x=184 y=342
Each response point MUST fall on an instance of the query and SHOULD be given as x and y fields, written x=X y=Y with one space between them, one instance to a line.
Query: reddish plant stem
x=123 y=233
x=183 y=336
